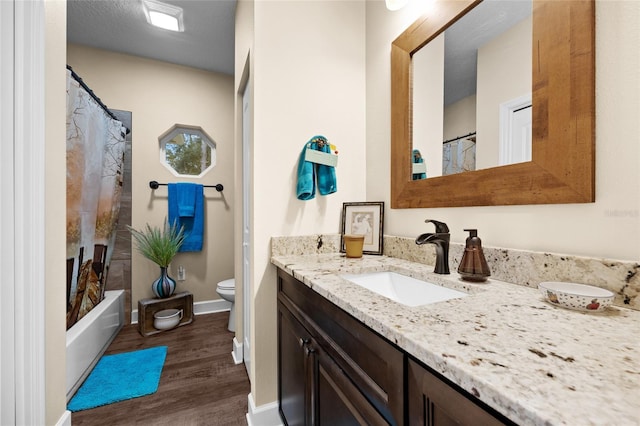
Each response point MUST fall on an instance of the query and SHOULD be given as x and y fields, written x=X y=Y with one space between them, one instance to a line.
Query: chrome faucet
x=441 y=240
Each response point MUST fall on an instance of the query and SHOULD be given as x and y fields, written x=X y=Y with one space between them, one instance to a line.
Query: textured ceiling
x=120 y=26
x=208 y=39
x=462 y=40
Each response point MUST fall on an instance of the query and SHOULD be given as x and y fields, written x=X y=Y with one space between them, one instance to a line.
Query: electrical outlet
x=182 y=273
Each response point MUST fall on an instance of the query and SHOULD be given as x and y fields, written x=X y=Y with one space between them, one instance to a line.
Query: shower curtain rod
x=77 y=78
x=459 y=137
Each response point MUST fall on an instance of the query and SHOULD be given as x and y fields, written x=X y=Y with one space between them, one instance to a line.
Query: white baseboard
x=199 y=308
x=65 y=419
x=237 y=354
x=264 y=415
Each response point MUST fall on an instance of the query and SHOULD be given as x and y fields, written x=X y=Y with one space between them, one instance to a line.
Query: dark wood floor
x=199 y=385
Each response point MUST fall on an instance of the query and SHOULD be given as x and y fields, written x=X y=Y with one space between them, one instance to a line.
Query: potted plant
x=160 y=246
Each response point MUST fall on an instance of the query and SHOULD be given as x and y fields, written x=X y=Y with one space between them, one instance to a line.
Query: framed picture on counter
x=366 y=219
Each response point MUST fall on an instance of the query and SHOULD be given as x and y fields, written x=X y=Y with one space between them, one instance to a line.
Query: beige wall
x=428 y=100
x=460 y=118
x=608 y=228
x=159 y=95
x=504 y=73
x=55 y=210
x=308 y=78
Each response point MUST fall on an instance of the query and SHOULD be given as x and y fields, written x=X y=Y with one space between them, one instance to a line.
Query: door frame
x=246 y=222
x=22 y=212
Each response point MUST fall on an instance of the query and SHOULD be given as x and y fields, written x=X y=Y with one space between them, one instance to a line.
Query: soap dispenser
x=473 y=266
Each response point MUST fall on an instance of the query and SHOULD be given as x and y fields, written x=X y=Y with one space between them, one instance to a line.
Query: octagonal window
x=187 y=150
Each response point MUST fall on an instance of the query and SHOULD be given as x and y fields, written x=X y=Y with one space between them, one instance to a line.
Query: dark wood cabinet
x=338 y=400
x=313 y=389
x=333 y=370
x=293 y=360
x=434 y=402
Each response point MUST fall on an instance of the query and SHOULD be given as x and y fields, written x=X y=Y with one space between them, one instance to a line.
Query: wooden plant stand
x=148 y=307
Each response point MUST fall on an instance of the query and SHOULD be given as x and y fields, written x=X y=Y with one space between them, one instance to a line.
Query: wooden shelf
x=148 y=307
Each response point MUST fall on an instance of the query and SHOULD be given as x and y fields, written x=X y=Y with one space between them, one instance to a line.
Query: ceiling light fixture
x=163 y=15
x=396 y=4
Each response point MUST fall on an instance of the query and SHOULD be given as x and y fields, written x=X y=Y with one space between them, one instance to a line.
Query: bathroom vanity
x=501 y=355
x=334 y=370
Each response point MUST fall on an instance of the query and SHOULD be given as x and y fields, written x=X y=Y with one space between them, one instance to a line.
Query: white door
x=521 y=135
x=246 y=228
x=515 y=131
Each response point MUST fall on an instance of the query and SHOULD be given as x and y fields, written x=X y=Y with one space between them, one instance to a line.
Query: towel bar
x=154 y=185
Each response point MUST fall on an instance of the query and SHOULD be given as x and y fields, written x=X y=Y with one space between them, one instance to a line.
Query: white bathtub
x=89 y=338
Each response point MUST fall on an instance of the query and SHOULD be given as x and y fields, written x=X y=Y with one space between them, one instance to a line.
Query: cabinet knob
x=303 y=341
x=308 y=350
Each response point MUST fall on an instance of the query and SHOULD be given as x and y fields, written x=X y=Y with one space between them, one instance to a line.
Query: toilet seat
x=229 y=284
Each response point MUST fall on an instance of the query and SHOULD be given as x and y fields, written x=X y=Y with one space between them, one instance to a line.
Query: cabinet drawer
x=373 y=364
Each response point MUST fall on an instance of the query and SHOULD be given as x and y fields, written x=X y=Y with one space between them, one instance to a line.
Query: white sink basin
x=402 y=289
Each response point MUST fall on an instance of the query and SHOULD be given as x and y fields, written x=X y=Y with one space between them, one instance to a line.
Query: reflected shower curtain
x=95 y=148
x=458 y=156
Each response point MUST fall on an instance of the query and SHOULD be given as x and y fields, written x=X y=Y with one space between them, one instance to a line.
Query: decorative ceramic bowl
x=167 y=319
x=580 y=297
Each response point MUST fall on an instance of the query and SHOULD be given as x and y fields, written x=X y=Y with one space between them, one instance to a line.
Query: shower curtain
x=95 y=149
x=458 y=156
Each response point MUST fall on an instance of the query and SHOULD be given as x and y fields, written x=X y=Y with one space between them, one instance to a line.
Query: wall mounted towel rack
x=154 y=185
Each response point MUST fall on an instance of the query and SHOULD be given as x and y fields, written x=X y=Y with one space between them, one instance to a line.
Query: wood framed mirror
x=562 y=169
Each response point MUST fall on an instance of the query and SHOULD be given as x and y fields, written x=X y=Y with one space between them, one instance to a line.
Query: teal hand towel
x=193 y=226
x=306 y=187
x=327 y=183
x=417 y=158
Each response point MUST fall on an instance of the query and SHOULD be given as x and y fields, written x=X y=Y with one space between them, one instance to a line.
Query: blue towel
x=306 y=189
x=193 y=226
x=186 y=198
x=308 y=172
x=327 y=183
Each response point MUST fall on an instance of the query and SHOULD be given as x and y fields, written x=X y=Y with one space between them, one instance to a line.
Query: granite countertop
x=536 y=363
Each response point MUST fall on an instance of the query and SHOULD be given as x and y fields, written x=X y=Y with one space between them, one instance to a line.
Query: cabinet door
x=336 y=400
x=294 y=381
x=374 y=365
x=433 y=402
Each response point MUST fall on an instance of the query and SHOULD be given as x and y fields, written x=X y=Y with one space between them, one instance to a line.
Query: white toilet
x=227 y=290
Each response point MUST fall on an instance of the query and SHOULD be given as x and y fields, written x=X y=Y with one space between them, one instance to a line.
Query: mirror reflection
x=187 y=150
x=472 y=92
x=562 y=166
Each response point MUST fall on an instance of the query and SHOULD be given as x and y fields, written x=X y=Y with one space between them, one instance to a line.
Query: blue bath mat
x=120 y=377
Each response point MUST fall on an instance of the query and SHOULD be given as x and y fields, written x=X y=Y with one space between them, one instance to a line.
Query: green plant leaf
x=159 y=245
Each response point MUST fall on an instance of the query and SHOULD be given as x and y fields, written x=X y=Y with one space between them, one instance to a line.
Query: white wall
x=160 y=95
x=608 y=228
x=308 y=77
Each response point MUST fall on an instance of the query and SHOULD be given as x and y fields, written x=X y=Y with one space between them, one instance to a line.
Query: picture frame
x=365 y=218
